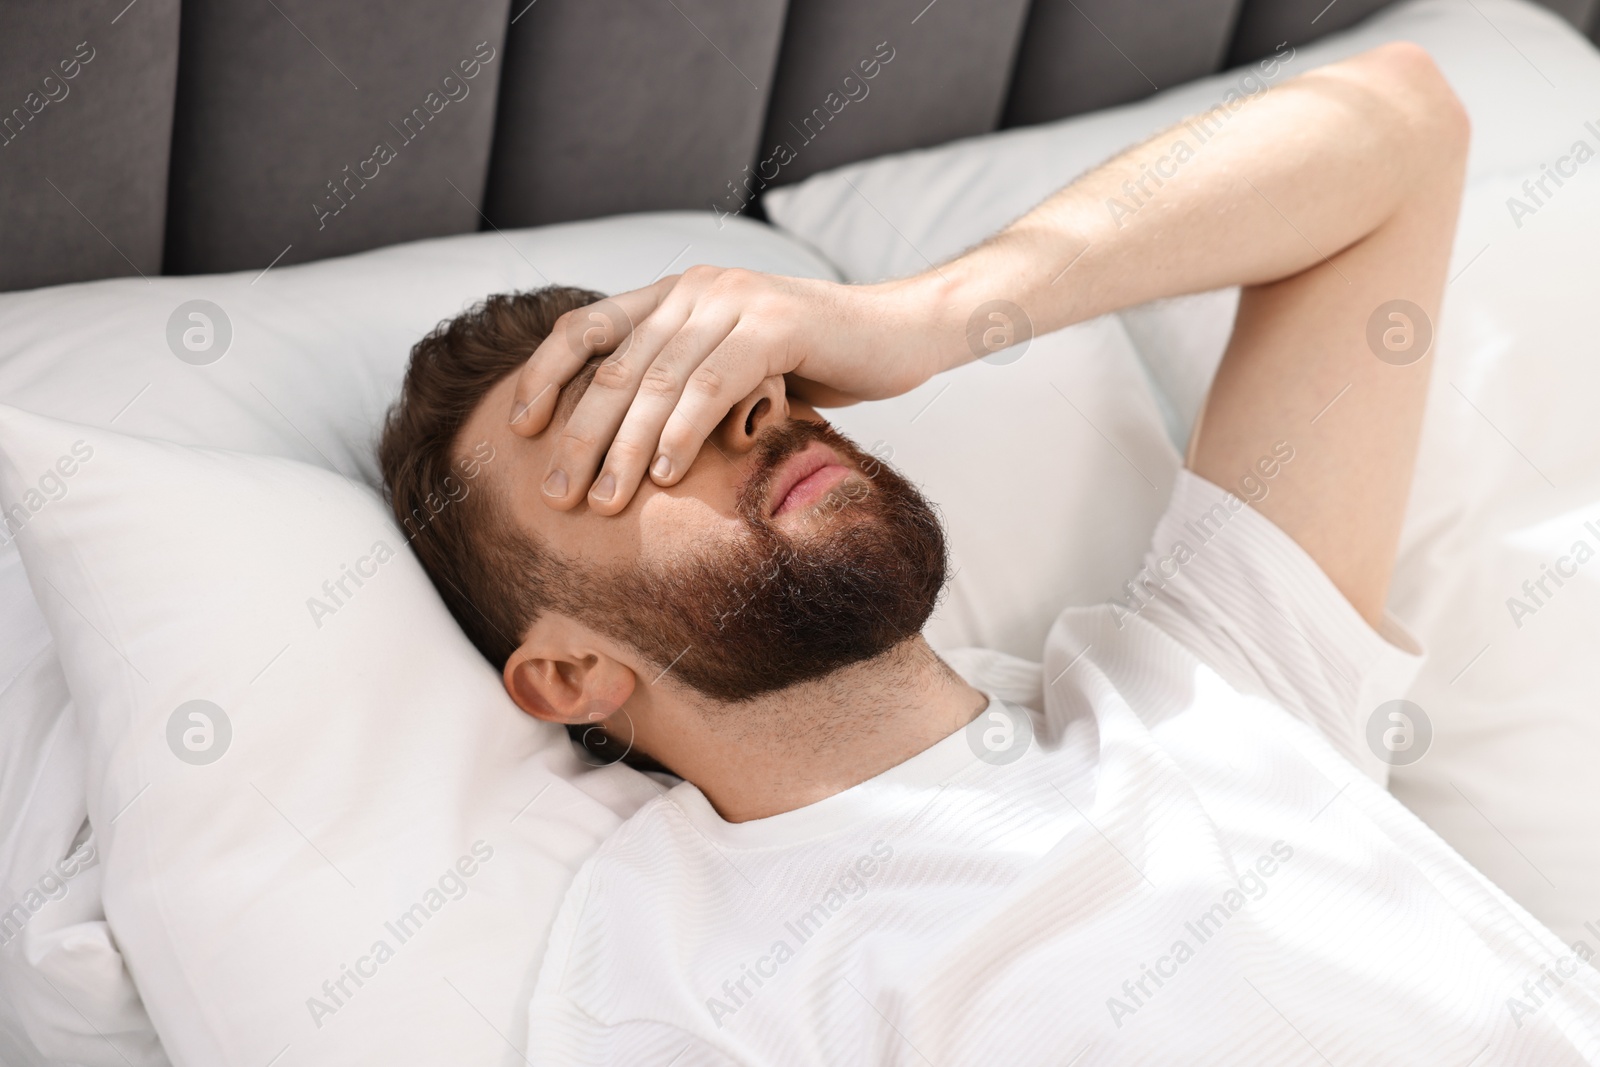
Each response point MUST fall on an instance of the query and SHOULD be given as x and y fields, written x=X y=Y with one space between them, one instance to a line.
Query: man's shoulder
x=658 y=832
x=635 y=873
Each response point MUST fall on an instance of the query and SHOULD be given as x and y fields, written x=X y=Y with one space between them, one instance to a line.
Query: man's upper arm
x=1330 y=367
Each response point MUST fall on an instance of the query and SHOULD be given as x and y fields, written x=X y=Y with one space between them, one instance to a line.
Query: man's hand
x=684 y=352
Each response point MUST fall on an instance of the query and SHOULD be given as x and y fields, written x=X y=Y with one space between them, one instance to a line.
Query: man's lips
x=805 y=478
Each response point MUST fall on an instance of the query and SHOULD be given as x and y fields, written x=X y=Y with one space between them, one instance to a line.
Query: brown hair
x=467 y=546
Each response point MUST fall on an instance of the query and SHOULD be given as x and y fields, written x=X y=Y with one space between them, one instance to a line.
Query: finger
x=594 y=329
x=577 y=335
x=720 y=381
x=593 y=425
x=636 y=444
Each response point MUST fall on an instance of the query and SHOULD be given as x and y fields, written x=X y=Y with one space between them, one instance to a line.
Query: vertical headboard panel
x=307 y=129
x=1079 y=55
x=860 y=79
x=1578 y=12
x=1264 y=24
x=85 y=124
x=628 y=105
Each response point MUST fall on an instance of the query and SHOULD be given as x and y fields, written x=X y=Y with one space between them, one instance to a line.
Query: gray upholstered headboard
x=159 y=136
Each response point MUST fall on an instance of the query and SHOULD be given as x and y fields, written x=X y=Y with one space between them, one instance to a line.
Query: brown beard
x=770 y=610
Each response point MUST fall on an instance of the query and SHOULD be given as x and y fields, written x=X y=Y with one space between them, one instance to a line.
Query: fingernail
x=605 y=488
x=520 y=415
x=662 y=466
x=555 y=483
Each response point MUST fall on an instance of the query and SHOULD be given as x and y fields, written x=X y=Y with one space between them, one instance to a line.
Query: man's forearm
x=1290 y=178
x=1301 y=173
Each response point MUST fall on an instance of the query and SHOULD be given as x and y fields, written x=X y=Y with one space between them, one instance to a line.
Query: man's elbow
x=1417 y=88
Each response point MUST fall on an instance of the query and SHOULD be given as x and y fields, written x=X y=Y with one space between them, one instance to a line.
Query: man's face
x=783 y=554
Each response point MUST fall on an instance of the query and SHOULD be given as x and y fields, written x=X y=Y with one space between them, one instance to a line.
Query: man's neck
x=805 y=743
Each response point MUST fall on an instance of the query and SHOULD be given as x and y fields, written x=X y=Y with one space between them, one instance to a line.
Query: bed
x=211 y=811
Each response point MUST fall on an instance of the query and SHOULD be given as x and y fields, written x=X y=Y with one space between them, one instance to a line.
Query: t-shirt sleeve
x=1224 y=580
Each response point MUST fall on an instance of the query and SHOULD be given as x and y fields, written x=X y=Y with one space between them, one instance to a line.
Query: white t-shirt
x=1183 y=853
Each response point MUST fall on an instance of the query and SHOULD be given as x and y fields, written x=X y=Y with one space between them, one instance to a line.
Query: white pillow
x=365 y=764
x=1050 y=465
x=1509 y=469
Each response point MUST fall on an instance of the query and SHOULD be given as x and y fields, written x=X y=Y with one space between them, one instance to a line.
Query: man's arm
x=1325 y=196
x=1294 y=176
x=1334 y=361
x=1329 y=199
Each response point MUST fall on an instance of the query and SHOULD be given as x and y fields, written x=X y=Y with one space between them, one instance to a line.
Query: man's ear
x=562 y=674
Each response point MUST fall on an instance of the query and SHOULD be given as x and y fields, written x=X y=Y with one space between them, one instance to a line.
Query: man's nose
x=768 y=403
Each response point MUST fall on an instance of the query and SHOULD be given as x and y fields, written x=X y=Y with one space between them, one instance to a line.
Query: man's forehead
x=488 y=420
x=573 y=391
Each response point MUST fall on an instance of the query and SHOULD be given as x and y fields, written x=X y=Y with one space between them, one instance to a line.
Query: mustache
x=777 y=444
x=761 y=612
